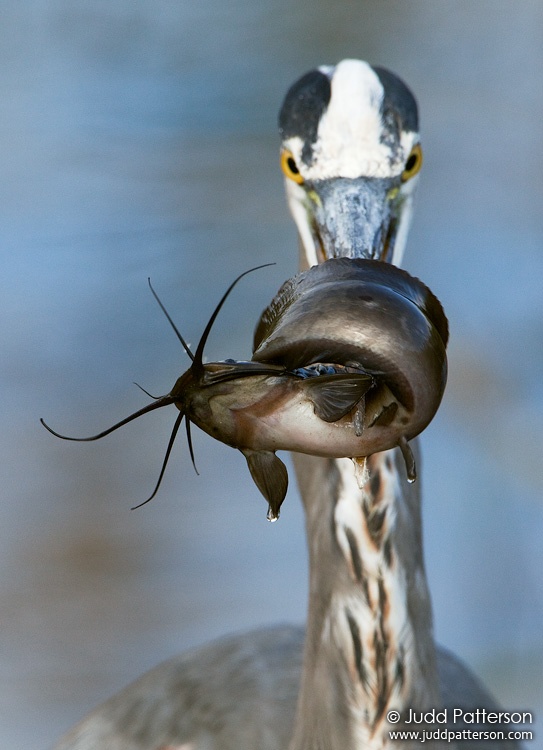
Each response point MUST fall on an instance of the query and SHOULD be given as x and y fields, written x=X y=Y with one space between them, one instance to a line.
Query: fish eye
x=413 y=163
x=289 y=167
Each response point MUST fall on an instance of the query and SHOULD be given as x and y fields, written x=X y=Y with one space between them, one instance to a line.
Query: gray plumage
x=236 y=694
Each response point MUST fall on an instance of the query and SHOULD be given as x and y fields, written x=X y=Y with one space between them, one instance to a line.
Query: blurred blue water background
x=139 y=139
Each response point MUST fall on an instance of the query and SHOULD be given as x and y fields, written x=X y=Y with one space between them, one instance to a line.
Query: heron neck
x=369 y=644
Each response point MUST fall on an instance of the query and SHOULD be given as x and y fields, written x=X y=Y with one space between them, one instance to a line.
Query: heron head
x=351 y=155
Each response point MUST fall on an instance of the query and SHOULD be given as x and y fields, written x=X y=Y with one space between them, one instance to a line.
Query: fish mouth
x=353 y=218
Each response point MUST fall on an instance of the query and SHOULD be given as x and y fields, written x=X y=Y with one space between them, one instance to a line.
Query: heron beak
x=354 y=218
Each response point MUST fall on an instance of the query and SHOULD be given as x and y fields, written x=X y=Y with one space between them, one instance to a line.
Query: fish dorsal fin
x=334 y=396
x=270 y=476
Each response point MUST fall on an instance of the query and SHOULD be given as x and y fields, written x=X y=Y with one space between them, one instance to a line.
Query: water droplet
x=271 y=516
x=361 y=471
x=409 y=460
x=358 y=420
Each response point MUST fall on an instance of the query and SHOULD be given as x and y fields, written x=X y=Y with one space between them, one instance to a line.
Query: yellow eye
x=413 y=163
x=288 y=165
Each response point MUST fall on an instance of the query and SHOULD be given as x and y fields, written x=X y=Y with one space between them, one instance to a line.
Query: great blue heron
x=351 y=155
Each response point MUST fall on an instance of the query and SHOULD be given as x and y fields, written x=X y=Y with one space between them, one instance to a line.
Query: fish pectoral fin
x=334 y=396
x=270 y=476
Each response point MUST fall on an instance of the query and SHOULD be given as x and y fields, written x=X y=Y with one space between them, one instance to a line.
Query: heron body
x=351 y=154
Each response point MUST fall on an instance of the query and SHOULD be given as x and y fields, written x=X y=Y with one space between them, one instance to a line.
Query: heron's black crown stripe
x=302 y=109
x=398 y=98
